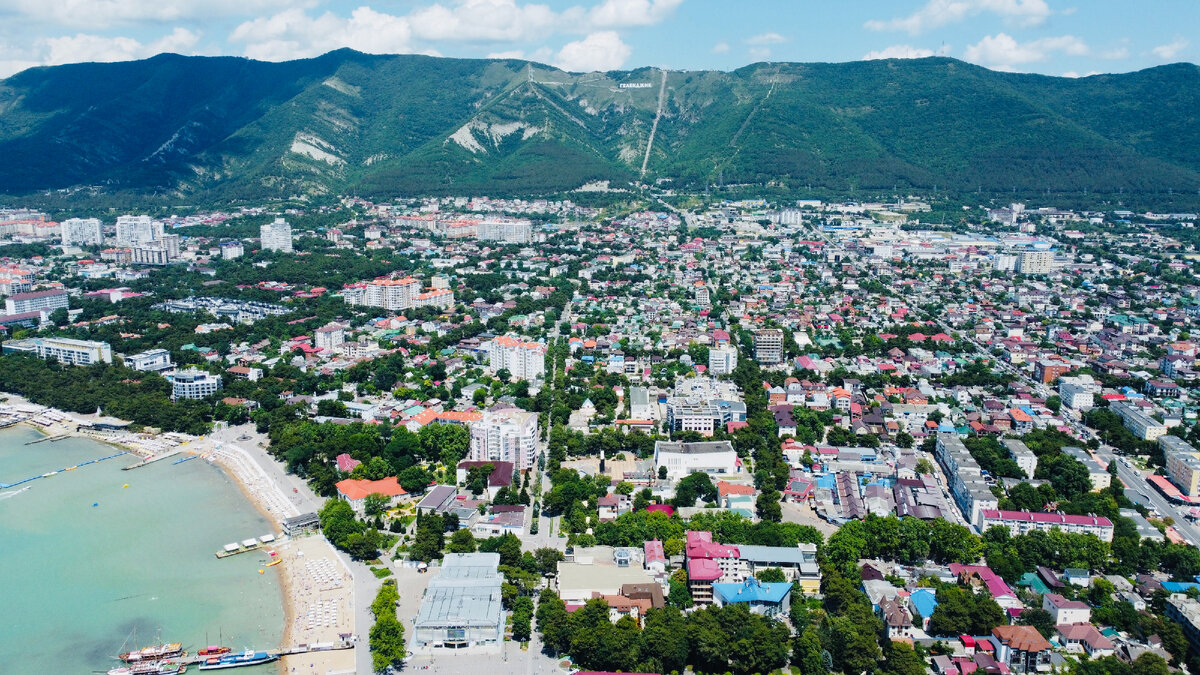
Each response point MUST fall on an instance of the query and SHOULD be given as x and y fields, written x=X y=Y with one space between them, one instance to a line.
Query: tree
x=695 y=486
x=902 y=660
x=767 y=506
x=1039 y=618
x=507 y=545
x=662 y=473
x=414 y=479
x=771 y=575
x=522 y=614
x=806 y=652
x=375 y=503
x=387 y=635
x=1054 y=403
x=924 y=467
x=547 y=560
x=462 y=541
x=445 y=442
x=1150 y=663
x=904 y=439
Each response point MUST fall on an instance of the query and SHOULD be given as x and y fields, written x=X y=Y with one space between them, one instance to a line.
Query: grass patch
x=381 y=572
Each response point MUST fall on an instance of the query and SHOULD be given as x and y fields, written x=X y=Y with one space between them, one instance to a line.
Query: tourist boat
x=167 y=650
x=213 y=650
x=246 y=658
x=167 y=667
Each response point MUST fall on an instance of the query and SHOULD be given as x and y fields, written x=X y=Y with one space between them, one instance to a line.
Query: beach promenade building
x=462 y=606
x=194 y=384
x=65 y=350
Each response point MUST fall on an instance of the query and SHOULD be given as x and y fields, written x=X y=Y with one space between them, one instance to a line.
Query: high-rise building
x=507 y=231
x=1036 y=262
x=133 y=230
x=768 y=345
x=276 y=236
x=330 y=336
x=194 y=384
x=722 y=360
x=82 y=232
x=505 y=436
x=524 y=360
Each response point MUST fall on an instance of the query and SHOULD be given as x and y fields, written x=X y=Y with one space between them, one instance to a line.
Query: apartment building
x=329 y=337
x=525 y=360
x=1036 y=262
x=1183 y=464
x=1078 y=393
x=65 y=350
x=722 y=360
x=684 y=459
x=133 y=230
x=151 y=360
x=505 y=436
x=82 y=232
x=193 y=384
x=1022 y=455
x=1020 y=522
x=507 y=231
x=768 y=346
x=1139 y=421
x=276 y=236
x=36 y=301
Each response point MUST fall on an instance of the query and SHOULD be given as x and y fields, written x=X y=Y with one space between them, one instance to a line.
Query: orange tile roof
x=357 y=489
x=1021 y=638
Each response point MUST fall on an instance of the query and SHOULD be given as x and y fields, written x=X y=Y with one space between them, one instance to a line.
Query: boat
x=213 y=650
x=274 y=562
x=166 y=650
x=167 y=667
x=246 y=658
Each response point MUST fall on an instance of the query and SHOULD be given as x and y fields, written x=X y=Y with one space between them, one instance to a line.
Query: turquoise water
x=76 y=580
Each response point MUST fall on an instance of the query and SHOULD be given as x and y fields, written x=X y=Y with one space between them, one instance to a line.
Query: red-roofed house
x=355 y=491
x=346 y=463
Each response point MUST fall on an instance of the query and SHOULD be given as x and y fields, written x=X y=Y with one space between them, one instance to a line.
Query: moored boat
x=166 y=667
x=246 y=658
x=213 y=650
x=167 y=650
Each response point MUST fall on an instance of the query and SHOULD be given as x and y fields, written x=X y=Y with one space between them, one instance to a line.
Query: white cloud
x=541 y=55
x=1116 y=53
x=721 y=48
x=760 y=53
x=898 y=52
x=483 y=21
x=629 y=13
x=1073 y=74
x=86 y=47
x=1003 y=52
x=766 y=39
x=936 y=13
x=1171 y=49
x=602 y=50
x=293 y=34
x=94 y=14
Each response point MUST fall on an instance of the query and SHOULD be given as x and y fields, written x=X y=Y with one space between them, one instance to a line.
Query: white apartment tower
x=768 y=345
x=525 y=360
x=505 y=436
x=1036 y=262
x=722 y=360
x=82 y=232
x=133 y=230
x=276 y=236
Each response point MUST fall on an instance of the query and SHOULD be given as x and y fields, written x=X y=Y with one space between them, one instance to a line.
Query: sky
x=1070 y=38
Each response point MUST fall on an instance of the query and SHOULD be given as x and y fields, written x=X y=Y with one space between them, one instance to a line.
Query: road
x=1136 y=482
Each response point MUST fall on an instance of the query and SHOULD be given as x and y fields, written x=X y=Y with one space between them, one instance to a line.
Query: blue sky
x=1054 y=37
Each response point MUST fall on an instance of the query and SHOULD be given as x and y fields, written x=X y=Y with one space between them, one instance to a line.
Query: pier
x=247 y=546
x=152 y=459
x=59 y=437
x=52 y=473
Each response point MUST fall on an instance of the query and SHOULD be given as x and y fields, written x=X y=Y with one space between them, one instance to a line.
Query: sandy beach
x=318 y=591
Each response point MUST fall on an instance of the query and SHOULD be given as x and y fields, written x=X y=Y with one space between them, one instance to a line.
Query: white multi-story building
x=395 y=295
x=232 y=249
x=768 y=345
x=1078 y=393
x=722 y=360
x=505 y=436
x=684 y=459
x=155 y=360
x=1021 y=522
x=36 y=301
x=194 y=384
x=1036 y=262
x=330 y=336
x=1022 y=455
x=1183 y=464
x=276 y=236
x=132 y=230
x=1139 y=421
x=65 y=350
x=82 y=232
x=441 y=298
x=524 y=360
x=507 y=231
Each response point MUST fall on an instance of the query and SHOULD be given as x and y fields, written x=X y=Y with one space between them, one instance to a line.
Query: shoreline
x=233 y=461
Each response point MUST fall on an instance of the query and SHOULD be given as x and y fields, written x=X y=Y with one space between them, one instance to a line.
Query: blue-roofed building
x=924 y=601
x=946 y=428
x=773 y=599
x=1179 y=586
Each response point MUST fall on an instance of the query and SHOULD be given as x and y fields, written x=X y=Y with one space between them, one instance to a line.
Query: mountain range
x=387 y=125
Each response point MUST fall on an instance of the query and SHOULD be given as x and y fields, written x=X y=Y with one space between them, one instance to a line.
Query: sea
x=96 y=560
